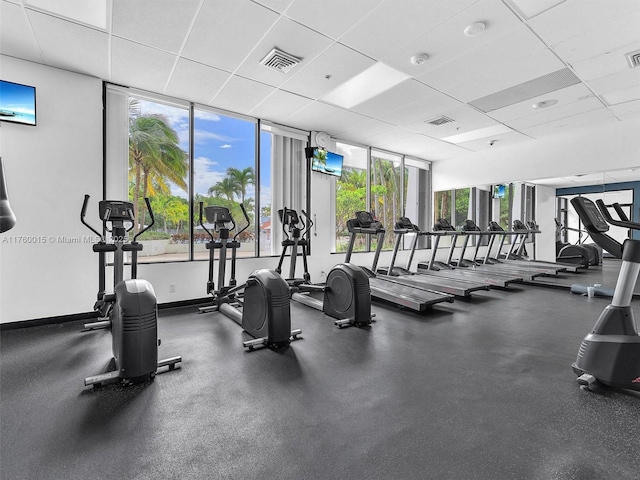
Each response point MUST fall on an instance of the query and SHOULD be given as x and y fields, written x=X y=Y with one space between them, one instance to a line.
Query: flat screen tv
x=499 y=191
x=326 y=162
x=17 y=103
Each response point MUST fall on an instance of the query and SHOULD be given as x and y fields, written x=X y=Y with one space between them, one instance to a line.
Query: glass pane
x=283 y=183
x=416 y=198
x=224 y=174
x=351 y=194
x=159 y=170
x=463 y=206
x=386 y=193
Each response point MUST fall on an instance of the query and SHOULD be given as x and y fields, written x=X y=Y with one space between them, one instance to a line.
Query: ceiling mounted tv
x=327 y=162
x=17 y=103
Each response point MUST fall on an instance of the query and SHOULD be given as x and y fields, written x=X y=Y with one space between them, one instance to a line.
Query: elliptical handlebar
x=82 y=215
x=153 y=220
x=202 y=224
x=284 y=223
x=246 y=217
x=309 y=223
x=612 y=221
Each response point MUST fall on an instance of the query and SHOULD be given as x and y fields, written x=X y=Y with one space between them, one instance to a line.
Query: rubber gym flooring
x=477 y=389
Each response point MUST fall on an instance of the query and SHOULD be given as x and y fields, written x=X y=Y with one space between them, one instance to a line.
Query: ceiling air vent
x=633 y=58
x=280 y=61
x=441 y=120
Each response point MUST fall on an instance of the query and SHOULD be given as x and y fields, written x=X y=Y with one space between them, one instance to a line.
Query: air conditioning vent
x=633 y=58
x=280 y=61
x=441 y=120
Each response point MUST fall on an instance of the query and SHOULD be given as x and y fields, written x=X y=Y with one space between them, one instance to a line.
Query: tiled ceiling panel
x=397 y=22
x=556 y=112
x=510 y=48
x=226 y=31
x=71 y=46
x=338 y=62
x=496 y=141
x=280 y=105
x=397 y=97
x=166 y=22
x=195 y=81
x=465 y=119
x=241 y=95
x=421 y=110
x=16 y=36
x=608 y=63
x=554 y=127
x=370 y=127
x=138 y=66
x=628 y=78
x=320 y=15
x=448 y=41
x=290 y=37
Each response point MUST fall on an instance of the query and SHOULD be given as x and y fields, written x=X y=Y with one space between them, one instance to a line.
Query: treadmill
x=528 y=272
x=459 y=287
x=391 y=289
x=442 y=228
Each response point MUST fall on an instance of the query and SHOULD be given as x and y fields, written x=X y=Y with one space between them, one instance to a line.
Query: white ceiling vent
x=633 y=58
x=280 y=61
x=441 y=120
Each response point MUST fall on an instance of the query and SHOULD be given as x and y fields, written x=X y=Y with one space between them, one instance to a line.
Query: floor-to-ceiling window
x=351 y=193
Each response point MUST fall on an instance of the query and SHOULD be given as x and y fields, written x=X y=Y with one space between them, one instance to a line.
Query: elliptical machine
x=266 y=313
x=131 y=311
x=346 y=295
x=610 y=354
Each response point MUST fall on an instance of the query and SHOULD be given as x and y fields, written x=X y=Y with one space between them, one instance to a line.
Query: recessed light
x=544 y=104
x=474 y=29
x=419 y=58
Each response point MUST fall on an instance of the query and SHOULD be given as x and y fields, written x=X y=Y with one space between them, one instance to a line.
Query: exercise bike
x=131 y=311
x=610 y=354
x=264 y=297
x=346 y=295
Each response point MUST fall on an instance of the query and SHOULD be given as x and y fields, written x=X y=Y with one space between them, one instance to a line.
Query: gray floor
x=478 y=389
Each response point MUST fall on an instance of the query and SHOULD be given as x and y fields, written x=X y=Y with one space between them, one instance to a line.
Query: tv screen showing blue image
x=17 y=103
x=327 y=162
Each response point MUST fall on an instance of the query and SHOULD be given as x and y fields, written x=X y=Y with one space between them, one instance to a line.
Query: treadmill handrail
x=618 y=223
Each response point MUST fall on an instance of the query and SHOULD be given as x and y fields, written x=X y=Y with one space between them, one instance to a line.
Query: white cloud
x=226 y=145
x=201 y=136
x=202 y=115
x=205 y=175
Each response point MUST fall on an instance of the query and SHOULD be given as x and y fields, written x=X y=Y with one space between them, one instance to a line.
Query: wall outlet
x=172 y=288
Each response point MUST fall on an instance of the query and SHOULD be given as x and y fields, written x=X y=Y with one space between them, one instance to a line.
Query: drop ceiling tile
x=368 y=128
x=498 y=54
x=324 y=117
x=16 y=36
x=226 y=31
x=563 y=124
x=396 y=134
x=541 y=63
x=628 y=78
x=426 y=148
x=530 y=9
x=294 y=39
x=622 y=96
x=626 y=108
x=195 y=82
x=499 y=141
x=138 y=66
x=564 y=97
x=575 y=17
x=280 y=105
x=241 y=95
x=71 y=46
x=606 y=64
x=448 y=41
x=338 y=61
x=608 y=37
x=399 y=96
x=394 y=24
x=556 y=112
x=278 y=5
x=330 y=17
x=629 y=116
x=421 y=110
x=165 y=26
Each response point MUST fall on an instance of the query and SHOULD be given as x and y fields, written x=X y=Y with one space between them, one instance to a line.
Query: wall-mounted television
x=499 y=191
x=17 y=103
x=327 y=162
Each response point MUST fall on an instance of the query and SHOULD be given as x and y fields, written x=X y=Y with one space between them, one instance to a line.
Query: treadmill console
x=443 y=224
x=495 y=227
x=470 y=226
x=404 y=223
x=590 y=215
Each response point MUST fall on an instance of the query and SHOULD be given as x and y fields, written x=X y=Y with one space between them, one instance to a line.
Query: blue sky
x=219 y=142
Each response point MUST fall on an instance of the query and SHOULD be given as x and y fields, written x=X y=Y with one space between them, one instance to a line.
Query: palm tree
x=243 y=178
x=227 y=187
x=156 y=158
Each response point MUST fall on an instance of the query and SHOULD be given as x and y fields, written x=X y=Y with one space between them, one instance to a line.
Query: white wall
x=48 y=170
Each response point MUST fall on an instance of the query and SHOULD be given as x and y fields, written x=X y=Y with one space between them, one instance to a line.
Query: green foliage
x=151 y=235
